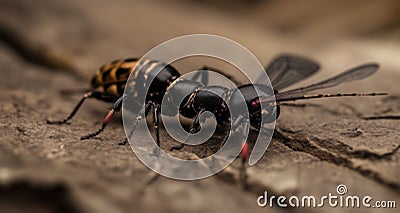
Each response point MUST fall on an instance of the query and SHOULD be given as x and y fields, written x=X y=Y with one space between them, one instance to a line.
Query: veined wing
x=353 y=74
x=286 y=70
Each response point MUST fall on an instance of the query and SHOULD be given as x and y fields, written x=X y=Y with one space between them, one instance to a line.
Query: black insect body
x=252 y=92
x=211 y=98
x=283 y=71
x=111 y=79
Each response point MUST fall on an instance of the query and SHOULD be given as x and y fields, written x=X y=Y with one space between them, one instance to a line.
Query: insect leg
x=202 y=75
x=205 y=75
x=139 y=117
x=193 y=128
x=115 y=108
x=91 y=94
x=220 y=72
x=156 y=122
x=244 y=152
x=123 y=142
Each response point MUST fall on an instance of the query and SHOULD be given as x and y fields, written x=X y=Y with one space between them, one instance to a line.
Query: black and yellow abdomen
x=111 y=78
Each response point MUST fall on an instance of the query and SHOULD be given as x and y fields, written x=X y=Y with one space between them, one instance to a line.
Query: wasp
x=111 y=79
x=284 y=71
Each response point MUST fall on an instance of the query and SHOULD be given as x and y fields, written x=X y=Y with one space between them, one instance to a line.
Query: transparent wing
x=353 y=74
x=286 y=70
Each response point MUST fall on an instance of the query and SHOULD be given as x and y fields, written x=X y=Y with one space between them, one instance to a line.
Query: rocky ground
x=51 y=46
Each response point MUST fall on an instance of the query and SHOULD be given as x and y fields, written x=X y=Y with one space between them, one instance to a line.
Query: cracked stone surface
x=49 y=46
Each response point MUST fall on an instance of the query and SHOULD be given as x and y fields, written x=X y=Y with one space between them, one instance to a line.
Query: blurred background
x=93 y=32
x=50 y=45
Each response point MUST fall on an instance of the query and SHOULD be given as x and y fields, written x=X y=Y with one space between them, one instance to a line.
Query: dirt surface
x=50 y=46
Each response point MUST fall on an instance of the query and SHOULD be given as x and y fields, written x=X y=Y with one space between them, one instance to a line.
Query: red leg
x=116 y=107
x=105 y=122
x=244 y=156
x=244 y=153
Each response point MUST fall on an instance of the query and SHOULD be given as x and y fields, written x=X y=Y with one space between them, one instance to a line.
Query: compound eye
x=255 y=103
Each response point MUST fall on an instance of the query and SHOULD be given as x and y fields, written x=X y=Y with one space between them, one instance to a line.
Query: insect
x=111 y=79
x=284 y=71
x=109 y=84
x=287 y=70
